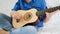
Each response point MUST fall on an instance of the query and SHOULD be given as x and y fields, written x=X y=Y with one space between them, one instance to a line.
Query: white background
x=51 y=27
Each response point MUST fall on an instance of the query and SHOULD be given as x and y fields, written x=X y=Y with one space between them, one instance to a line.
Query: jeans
x=5 y=23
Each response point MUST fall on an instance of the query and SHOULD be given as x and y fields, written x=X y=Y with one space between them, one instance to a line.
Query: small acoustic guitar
x=30 y=16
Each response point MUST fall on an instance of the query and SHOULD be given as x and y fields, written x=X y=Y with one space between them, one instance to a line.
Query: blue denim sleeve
x=39 y=25
x=17 y=6
x=42 y=7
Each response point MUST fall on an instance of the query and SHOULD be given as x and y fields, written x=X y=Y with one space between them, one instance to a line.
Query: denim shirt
x=37 y=4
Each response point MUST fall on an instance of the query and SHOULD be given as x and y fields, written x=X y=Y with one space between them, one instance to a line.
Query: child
x=23 y=5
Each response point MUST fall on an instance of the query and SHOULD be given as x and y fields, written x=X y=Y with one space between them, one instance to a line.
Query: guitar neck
x=40 y=13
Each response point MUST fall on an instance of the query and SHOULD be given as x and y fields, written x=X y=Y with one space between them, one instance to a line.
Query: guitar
x=30 y=16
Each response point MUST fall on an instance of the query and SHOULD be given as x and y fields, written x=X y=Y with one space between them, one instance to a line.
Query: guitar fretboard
x=40 y=13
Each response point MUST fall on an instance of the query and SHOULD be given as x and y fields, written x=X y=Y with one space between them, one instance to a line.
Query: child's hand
x=49 y=15
x=15 y=15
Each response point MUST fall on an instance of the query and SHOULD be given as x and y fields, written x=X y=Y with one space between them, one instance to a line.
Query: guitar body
x=28 y=16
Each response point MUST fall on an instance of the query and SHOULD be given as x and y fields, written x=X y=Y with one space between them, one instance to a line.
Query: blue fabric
x=39 y=25
x=24 y=30
x=23 y=5
x=5 y=22
x=37 y=4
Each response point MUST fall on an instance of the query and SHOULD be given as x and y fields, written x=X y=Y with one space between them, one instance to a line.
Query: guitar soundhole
x=27 y=16
x=17 y=20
